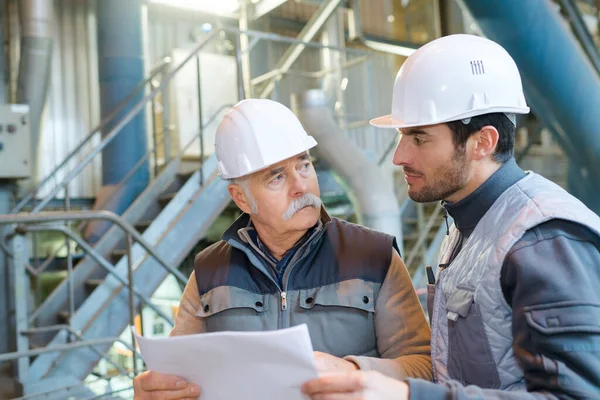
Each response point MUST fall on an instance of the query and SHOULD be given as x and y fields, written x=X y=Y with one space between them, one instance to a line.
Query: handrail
x=59 y=348
x=59 y=216
x=54 y=328
x=99 y=259
x=109 y=118
x=139 y=105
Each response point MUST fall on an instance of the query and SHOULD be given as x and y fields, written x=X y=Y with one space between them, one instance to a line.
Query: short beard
x=446 y=181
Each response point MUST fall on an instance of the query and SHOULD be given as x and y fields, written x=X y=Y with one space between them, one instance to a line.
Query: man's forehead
x=280 y=166
x=420 y=130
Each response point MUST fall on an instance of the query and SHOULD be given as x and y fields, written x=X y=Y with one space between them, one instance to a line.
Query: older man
x=285 y=262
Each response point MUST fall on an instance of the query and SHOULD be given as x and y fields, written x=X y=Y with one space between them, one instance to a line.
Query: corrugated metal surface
x=72 y=106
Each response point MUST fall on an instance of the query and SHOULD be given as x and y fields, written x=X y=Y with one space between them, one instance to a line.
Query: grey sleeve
x=186 y=322
x=403 y=335
x=551 y=279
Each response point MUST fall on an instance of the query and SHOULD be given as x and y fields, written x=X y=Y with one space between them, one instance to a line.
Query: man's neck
x=480 y=176
x=469 y=210
x=277 y=243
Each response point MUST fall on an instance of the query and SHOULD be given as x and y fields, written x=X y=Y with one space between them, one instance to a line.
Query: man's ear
x=486 y=142
x=238 y=195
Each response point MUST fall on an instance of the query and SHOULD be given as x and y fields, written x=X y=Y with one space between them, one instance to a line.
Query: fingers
x=152 y=385
x=338 y=396
x=151 y=381
x=349 y=382
x=190 y=392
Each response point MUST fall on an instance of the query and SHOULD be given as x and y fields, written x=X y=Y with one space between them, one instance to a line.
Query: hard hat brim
x=310 y=143
x=387 y=121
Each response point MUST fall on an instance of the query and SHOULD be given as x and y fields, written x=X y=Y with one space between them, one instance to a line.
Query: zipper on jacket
x=283 y=301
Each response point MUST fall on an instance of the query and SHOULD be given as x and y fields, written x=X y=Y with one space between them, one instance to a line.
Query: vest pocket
x=228 y=308
x=340 y=317
x=470 y=359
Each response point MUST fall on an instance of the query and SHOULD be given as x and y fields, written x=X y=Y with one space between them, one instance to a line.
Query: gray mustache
x=306 y=200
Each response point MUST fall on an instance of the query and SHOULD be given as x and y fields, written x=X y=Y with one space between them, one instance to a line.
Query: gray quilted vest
x=471 y=337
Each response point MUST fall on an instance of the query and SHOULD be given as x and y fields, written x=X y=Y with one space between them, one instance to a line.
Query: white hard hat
x=258 y=133
x=453 y=78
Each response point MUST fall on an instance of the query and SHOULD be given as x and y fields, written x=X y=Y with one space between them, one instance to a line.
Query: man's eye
x=278 y=178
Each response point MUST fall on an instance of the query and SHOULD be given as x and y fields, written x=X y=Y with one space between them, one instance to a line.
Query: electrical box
x=15 y=141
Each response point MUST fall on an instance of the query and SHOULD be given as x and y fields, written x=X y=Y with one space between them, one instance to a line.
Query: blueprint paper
x=236 y=365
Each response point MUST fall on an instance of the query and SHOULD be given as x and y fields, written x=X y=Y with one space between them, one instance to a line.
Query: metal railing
x=22 y=222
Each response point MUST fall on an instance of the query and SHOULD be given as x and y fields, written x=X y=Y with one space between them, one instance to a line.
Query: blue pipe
x=560 y=82
x=121 y=69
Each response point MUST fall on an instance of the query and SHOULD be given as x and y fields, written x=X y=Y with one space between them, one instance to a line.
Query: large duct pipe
x=120 y=69
x=372 y=193
x=560 y=82
x=36 y=19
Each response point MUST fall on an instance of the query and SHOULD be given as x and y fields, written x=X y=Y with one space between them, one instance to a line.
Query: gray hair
x=244 y=184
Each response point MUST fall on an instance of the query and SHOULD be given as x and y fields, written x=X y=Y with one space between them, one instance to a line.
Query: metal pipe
x=243 y=47
x=240 y=67
x=36 y=18
x=120 y=70
x=581 y=32
x=28 y=218
x=117 y=128
x=354 y=21
x=131 y=300
x=101 y=261
x=286 y=39
x=265 y=77
x=71 y=288
x=154 y=136
x=312 y=27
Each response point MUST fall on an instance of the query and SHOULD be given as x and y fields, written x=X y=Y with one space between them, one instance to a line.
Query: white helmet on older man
x=454 y=78
x=258 y=133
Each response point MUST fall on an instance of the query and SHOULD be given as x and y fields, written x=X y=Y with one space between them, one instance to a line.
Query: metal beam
x=264 y=7
x=243 y=50
x=312 y=27
x=354 y=21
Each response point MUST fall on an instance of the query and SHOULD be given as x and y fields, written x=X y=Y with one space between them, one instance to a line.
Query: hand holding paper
x=237 y=365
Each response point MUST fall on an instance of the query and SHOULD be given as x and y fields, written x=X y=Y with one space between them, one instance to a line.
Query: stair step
x=117 y=254
x=185 y=175
x=64 y=316
x=164 y=199
x=92 y=284
x=142 y=225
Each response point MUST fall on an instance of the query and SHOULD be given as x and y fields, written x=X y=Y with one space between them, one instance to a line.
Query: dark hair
x=506 y=141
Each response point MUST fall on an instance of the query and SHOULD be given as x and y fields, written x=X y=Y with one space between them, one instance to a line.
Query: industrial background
x=108 y=111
